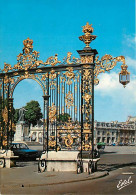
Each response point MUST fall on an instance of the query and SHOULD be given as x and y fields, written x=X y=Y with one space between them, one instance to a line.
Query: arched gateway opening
x=61 y=86
x=28 y=93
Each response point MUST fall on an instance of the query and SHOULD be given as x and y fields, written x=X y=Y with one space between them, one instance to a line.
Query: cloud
x=131 y=62
x=108 y=83
x=109 y=86
x=130 y=40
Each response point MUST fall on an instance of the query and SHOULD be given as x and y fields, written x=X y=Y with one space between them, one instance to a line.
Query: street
x=106 y=185
x=120 y=162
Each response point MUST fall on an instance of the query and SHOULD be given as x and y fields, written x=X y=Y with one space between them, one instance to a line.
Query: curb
x=70 y=181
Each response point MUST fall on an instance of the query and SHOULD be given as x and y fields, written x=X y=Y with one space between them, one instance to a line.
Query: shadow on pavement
x=103 y=152
x=112 y=167
x=20 y=163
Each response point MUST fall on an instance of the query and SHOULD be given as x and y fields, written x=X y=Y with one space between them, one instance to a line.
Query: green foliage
x=63 y=117
x=33 y=112
x=16 y=115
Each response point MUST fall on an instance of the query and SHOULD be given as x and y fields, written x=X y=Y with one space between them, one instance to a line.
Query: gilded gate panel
x=68 y=92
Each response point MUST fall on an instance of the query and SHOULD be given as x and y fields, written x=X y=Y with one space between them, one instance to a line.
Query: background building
x=107 y=132
x=116 y=132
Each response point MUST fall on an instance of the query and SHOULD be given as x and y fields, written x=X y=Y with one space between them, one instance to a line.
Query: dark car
x=113 y=144
x=120 y=144
x=21 y=149
x=132 y=144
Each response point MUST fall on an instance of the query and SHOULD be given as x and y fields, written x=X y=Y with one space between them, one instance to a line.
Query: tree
x=33 y=112
x=16 y=115
x=63 y=117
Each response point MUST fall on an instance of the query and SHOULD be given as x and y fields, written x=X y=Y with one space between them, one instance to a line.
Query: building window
x=98 y=139
x=98 y=132
x=103 y=132
x=103 y=139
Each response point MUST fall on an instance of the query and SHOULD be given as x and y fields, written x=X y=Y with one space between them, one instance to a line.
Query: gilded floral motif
x=68 y=141
x=70 y=75
x=5 y=115
x=52 y=112
x=69 y=99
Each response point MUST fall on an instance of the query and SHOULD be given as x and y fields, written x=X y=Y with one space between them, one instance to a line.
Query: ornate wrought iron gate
x=68 y=94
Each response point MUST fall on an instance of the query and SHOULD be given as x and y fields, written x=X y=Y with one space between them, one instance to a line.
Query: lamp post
x=91 y=67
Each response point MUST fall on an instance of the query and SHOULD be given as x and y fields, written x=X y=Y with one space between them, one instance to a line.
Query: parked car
x=132 y=144
x=120 y=144
x=113 y=144
x=126 y=144
x=22 y=150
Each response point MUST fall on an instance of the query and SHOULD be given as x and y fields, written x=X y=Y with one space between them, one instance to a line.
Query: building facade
x=115 y=132
x=107 y=132
x=36 y=132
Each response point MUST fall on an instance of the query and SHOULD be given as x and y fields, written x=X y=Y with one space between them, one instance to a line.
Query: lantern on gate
x=124 y=75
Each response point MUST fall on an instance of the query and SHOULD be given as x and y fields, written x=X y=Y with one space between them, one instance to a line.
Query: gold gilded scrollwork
x=4 y=142
x=70 y=60
x=5 y=115
x=6 y=79
x=38 y=70
x=29 y=59
x=27 y=46
x=44 y=76
x=53 y=60
x=68 y=141
x=75 y=109
x=70 y=75
x=52 y=77
x=86 y=59
x=106 y=63
x=52 y=112
x=120 y=59
x=69 y=99
x=86 y=128
x=52 y=142
x=86 y=74
x=52 y=74
x=7 y=67
x=86 y=147
x=87 y=97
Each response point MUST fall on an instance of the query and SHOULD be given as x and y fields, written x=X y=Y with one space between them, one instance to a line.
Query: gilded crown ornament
x=88 y=37
x=28 y=46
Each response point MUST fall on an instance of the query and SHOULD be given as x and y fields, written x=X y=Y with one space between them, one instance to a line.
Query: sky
x=54 y=26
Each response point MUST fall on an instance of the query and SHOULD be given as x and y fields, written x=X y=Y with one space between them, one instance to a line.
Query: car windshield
x=23 y=146
x=19 y=146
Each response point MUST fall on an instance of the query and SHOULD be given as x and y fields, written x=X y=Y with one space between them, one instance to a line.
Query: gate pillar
x=87 y=56
x=87 y=98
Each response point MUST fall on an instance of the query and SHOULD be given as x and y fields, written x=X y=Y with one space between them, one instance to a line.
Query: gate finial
x=88 y=37
x=28 y=47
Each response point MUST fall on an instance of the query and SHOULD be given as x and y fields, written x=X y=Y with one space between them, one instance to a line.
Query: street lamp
x=124 y=75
